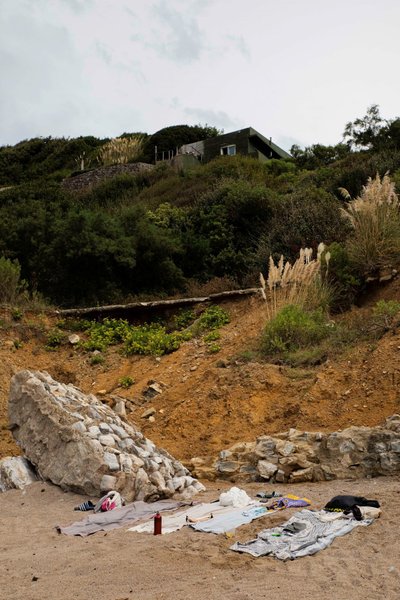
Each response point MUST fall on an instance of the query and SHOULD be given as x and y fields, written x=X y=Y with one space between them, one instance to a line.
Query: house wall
x=212 y=146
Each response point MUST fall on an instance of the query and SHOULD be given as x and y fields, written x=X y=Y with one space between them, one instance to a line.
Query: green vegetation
x=150 y=338
x=212 y=318
x=164 y=232
x=97 y=359
x=55 y=337
x=126 y=382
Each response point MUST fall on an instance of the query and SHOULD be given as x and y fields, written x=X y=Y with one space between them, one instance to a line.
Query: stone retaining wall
x=298 y=456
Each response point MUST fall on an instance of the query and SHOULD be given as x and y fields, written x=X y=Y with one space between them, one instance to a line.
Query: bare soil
x=211 y=401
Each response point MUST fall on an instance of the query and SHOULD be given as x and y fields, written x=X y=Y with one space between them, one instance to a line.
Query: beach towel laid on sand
x=177 y=520
x=227 y=521
x=305 y=533
x=208 y=517
x=136 y=511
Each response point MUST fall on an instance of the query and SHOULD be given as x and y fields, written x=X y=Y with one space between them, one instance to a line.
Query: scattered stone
x=152 y=419
x=74 y=339
x=101 y=392
x=148 y=413
x=152 y=390
x=120 y=408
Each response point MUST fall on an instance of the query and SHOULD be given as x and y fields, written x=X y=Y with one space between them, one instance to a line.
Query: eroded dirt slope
x=210 y=401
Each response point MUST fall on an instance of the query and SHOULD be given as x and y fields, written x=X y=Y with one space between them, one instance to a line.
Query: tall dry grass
x=298 y=284
x=375 y=218
x=120 y=150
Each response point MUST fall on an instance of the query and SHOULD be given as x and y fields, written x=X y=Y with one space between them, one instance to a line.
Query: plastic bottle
x=157 y=524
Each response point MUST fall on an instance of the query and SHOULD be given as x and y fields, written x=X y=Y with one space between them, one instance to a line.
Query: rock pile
x=84 y=446
x=298 y=456
x=88 y=179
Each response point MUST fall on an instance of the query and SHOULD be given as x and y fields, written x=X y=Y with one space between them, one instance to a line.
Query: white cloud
x=294 y=71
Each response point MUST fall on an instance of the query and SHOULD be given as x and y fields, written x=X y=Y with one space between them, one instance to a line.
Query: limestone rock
x=15 y=472
x=266 y=469
x=82 y=445
x=296 y=456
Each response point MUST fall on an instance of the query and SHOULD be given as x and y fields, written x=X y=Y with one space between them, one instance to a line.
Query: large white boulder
x=84 y=446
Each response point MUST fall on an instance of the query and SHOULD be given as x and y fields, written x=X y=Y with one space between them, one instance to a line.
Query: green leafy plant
x=213 y=348
x=184 y=318
x=97 y=359
x=212 y=336
x=16 y=314
x=293 y=329
x=126 y=381
x=212 y=318
x=55 y=338
x=150 y=338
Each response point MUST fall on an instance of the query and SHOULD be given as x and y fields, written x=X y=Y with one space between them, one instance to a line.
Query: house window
x=228 y=150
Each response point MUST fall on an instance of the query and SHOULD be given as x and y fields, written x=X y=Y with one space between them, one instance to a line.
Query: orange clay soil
x=211 y=401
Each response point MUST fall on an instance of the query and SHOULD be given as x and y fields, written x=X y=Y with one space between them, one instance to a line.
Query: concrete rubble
x=81 y=445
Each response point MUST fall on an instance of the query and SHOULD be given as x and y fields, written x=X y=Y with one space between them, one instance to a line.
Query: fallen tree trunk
x=99 y=311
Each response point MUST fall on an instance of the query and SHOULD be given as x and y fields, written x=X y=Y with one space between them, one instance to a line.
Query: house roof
x=268 y=144
x=261 y=143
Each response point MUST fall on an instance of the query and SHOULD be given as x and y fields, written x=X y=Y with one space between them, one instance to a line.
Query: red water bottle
x=157 y=524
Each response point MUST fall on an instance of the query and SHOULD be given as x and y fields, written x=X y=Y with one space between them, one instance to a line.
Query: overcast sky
x=296 y=70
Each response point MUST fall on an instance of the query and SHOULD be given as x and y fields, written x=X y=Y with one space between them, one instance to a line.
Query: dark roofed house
x=247 y=142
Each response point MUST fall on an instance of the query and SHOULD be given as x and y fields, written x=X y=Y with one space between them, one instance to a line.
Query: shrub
x=212 y=336
x=126 y=381
x=213 y=348
x=97 y=359
x=292 y=329
x=298 y=284
x=340 y=274
x=144 y=339
x=212 y=318
x=55 y=338
x=153 y=339
x=11 y=285
x=121 y=150
x=384 y=317
x=375 y=218
x=184 y=318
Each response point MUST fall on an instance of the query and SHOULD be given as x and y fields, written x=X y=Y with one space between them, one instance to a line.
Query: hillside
x=210 y=401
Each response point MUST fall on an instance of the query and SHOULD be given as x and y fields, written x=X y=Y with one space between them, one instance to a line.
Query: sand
x=37 y=563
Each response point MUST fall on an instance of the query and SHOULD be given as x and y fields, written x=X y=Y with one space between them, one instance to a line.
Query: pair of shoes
x=87 y=505
x=268 y=495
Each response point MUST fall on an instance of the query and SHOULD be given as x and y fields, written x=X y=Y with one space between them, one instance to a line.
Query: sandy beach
x=37 y=563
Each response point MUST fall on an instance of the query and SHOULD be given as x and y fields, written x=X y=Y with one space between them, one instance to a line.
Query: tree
x=363 y=133
x=172 y=137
